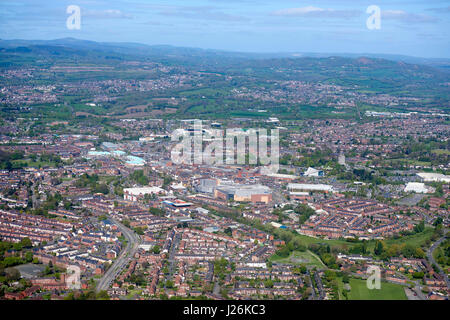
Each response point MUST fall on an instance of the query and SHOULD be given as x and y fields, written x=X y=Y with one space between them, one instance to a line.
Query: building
x=311 y=172
x=310 y=187
x=243 y=193
x=133 y=194
x=207 y=185
x=416 y=187
x=431 y=176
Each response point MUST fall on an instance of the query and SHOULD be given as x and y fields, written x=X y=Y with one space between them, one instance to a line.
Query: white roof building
x=133 y=193
x=310 y=187
x=178 y=186
x=416 y=187
x=432 y=176
x=311 y=172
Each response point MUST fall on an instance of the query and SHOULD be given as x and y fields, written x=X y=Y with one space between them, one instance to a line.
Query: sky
x=409 y=27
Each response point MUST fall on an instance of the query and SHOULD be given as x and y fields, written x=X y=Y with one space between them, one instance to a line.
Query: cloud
x=106 y=14
x=316 y=12
x=200 y=13
x=403 y=16
x=440 y=10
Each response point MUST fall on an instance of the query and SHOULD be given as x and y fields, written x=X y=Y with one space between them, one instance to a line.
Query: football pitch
x=388 y=291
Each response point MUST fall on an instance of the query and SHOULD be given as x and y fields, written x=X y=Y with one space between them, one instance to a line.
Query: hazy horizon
x=411 y=28
x=293 y=53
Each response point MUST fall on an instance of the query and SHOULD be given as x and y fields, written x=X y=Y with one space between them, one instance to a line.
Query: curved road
x=121 y=262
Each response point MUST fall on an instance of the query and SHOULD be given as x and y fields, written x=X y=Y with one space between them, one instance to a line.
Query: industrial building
x=243 y=193
x=133 y=194
x=310 y=187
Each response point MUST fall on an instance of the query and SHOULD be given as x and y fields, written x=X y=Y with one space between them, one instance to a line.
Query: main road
x=133 y=241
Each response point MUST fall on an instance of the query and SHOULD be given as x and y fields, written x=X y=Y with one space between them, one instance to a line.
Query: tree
x=29 y=256
x=408 y=250
x=101 y=188
x=139 y=177
x=228 y=231
x=330 y=275
x=420 y=227
x=419 y=253
x=438 y=221
x=12 y=274
x=268 y=283
x=26 y=243
x=157 y=212
x=156 y=249
x=379 y=247
x=345 y=278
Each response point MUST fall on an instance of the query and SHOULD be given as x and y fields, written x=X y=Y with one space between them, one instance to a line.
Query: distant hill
x=142 y=50
x=365 y=74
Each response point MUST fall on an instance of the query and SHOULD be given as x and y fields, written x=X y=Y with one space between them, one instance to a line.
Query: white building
x=416 y=187
x=310 y=187
x=133 y=194
x=311 y=172
x=432 y=176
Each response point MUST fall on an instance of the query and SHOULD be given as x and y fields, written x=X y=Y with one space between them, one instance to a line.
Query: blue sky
x=410 y=27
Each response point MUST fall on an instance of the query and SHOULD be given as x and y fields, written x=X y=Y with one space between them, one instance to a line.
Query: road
x=319 y=286
x=216 y=289
x=172 y=251
x=313 y=293
x=431 y=258
x=125 y=256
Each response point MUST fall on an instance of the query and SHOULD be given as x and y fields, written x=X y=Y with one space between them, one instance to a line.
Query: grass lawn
x=298 y=258
x=411 y=162
x=107 y=179
x=35 y=164
x=134 y=292
x=332 y=242
x=444 y=266
x=388 y=291
x=416 y=240
x=441 y=151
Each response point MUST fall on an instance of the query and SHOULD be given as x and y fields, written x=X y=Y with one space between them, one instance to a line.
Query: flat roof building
x=243 y=193
x=310 y=187
x=416 y=187
x=133 y=194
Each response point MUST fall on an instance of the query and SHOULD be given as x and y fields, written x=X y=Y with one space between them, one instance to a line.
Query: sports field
x=388 y=291
x=298 y=258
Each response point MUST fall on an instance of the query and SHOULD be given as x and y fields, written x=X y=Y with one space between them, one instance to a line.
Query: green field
x=416 y=240
x=297 y=258
x=34 y=164
x=441 y=151
x=332 y=242
x=411 y=162
x=388 y=291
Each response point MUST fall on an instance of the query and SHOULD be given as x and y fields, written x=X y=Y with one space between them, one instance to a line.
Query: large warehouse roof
x=311 y=187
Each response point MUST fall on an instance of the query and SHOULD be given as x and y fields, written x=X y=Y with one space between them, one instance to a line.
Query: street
x=121 y=262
